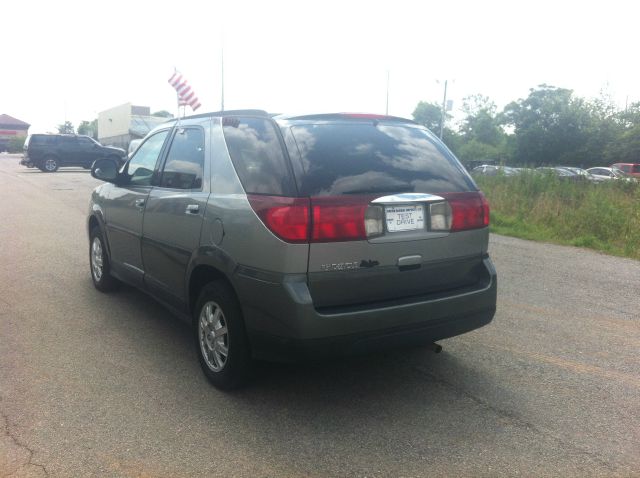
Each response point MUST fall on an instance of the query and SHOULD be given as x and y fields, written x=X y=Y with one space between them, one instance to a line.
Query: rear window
x=362 y=158
x=258 y=156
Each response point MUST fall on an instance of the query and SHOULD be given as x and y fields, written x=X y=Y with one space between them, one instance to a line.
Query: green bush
x=15 y=144
x=603 y=216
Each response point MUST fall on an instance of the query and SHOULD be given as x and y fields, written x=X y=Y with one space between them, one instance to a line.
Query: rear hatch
x=393 y=215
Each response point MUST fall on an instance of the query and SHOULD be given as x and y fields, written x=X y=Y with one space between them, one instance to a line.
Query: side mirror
x=105 y=170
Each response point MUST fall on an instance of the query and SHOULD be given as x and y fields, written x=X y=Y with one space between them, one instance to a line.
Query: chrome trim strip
x=408 y=198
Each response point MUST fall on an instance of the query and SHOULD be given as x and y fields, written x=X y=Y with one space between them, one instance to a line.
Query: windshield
x=619 y=173
x=361 y=158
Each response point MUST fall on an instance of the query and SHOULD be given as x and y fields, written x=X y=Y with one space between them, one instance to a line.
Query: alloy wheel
x=214 y=336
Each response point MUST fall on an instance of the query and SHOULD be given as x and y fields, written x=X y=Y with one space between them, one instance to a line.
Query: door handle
x=139 y=202
x=192 y=209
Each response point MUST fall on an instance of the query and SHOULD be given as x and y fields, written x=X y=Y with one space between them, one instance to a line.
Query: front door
x=87 y=152
x=125 y=209
x=173 y=216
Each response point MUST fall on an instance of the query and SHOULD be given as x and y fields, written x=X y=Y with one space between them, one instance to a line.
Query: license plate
x=404 y=218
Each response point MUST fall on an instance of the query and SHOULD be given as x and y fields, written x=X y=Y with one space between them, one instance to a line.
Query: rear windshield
x=258 y=156
x=362 y=158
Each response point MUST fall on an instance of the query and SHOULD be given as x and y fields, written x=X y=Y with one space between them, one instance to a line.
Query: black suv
x=48 y=152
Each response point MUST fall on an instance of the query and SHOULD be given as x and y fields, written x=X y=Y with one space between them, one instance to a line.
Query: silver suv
x=292 y=237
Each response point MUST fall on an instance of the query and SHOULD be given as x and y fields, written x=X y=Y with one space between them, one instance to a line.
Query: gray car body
x=293 y=305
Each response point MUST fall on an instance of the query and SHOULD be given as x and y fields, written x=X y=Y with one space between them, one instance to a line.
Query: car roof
x=343 y=116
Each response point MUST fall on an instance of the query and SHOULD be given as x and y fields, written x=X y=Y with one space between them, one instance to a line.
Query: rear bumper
x=283 y=324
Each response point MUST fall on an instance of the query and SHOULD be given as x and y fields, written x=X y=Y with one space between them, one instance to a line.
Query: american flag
x=186 y=95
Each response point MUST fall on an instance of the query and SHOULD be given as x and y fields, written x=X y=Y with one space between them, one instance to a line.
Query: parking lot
x=109 y=385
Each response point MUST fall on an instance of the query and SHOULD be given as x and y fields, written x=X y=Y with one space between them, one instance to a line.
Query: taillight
x=469 y=210
x=354 y=218
x=338 y=219
x=319 y=219
x=287 y=218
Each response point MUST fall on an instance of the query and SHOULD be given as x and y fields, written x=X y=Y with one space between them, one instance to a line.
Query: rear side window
x=185 y=161
x=258 y=156
x=635 y=168
x=362 y=158
x=38 y=140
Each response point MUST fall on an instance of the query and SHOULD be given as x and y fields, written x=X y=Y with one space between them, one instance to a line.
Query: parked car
x=493 y=170
x=293 y=237
x=48 y=152
x=582 y=174
x=632 y=169
x=561 y=173
x=607 y=174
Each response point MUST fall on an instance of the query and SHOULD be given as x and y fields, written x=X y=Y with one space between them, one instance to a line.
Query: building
x=118 y=126
x=11 y=128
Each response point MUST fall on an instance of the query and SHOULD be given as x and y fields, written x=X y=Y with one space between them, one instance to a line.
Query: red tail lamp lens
x=338 y=219
x=287 y=218
x=470 y=210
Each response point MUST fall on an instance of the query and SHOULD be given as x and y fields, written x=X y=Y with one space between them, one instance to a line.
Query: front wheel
x=220 y=338
x=99 y=262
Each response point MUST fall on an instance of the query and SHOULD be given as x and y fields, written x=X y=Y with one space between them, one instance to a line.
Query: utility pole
x=444 y=108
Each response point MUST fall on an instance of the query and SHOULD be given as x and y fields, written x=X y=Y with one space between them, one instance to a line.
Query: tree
x=551 y=126
x=66 y=128
x=626 y=147
x=481 y=123
x=429 y=115
x=89 y=128
x=162 y=114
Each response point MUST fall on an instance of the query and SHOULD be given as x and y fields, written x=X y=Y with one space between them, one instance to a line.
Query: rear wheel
x=99 y=262
x=220 y=337
x=50 y=164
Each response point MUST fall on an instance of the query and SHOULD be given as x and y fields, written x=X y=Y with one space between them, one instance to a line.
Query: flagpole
x=222 y=75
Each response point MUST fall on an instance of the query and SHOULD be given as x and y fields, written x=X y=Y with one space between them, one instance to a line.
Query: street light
x=445 y=106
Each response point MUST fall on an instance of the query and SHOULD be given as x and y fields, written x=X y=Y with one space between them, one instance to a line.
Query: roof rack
x=215 y=114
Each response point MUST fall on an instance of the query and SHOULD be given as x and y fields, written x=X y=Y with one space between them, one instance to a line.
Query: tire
x=217 y=312
x=99 y=263
x=50 y=164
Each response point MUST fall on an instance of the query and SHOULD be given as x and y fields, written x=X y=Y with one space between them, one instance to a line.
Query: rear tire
x=220 y=338
x=50 y=164
x=99 y=263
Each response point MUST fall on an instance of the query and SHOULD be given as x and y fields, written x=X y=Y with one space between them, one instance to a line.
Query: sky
x=68 y=60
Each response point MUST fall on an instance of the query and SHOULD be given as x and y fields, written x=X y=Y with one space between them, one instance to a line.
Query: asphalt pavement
x=109 y=385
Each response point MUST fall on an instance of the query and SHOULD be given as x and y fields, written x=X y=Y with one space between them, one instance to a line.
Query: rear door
x=68 y=150
x=174 y=214
x=380 y=194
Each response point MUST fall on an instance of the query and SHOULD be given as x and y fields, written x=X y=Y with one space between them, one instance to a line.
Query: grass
x=603 y=216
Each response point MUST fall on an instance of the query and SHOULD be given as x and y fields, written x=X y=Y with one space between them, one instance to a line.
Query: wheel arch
x=201 y=275
x=96 y=220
